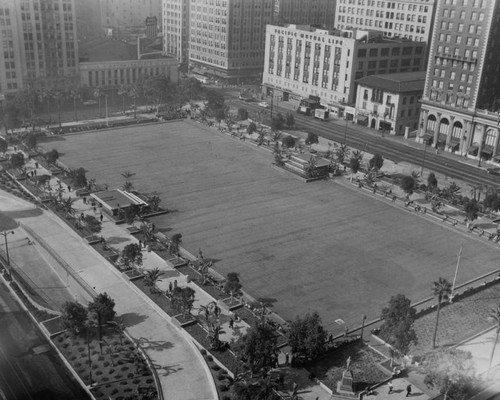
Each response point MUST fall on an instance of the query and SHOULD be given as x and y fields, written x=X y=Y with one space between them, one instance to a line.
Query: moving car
x=263 y=104
x=89 y=102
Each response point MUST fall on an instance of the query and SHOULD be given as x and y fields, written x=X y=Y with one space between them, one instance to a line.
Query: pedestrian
x=287 y=359
x=231 y=323
x=175 y=284
x=95 y=209
x=170 y=287
x=408 y=390
x=36 y=165
x=84 y=200
x=101 y=217
x=391 y=387
x=69 y=188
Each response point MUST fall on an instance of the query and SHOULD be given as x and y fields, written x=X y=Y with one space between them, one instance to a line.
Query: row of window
x=395 y=51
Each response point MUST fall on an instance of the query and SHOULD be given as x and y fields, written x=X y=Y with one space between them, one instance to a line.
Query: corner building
x=227 y=37
x=39 y=47
x=303 y=62
x=461 y=100
x=409 y=19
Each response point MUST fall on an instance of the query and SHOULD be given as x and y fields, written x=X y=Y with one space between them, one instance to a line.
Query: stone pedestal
x=346 y=384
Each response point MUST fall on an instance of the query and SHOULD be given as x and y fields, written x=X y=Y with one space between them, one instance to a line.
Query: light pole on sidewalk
x=5 y=233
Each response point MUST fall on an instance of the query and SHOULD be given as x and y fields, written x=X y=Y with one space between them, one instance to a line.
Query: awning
x=454 y=140
x=487 y=150
x=497 y=158
x=472 y=149
x=362 y=118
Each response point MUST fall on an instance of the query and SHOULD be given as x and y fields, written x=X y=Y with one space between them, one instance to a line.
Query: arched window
x=491 y=135
x=457 y=130
x=431 y=123
x=443 y=126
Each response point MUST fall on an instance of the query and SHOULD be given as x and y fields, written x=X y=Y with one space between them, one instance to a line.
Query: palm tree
x=442 y=290
x=495 y=317
x=211 y=313
x=151 y=278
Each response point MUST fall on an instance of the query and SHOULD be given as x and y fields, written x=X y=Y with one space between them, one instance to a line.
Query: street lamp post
x=5 y=233
x=363 y=319
x=423 y=159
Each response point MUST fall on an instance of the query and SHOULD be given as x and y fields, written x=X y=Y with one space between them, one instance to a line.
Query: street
x=373 y=142
x=25 y=374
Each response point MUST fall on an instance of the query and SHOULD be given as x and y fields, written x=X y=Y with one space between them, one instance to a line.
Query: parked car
x=493 y=171
x=263 y=104
x=89 y=102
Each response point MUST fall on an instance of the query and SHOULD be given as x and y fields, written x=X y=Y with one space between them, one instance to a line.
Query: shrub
x=130 y=375
x=114 y=391
x=136 y=381
x=111 y=370
x=224 y=388
x=124 y=368
x=210 y=358
x=289 y=141
x=149 y=380
x=226 y=397
x=106 y=363
x=98 y=372
x=215 y=367
x=203 y=352
x=221 y=376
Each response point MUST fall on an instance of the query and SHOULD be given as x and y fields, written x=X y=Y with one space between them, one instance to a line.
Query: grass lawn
x=318 y=246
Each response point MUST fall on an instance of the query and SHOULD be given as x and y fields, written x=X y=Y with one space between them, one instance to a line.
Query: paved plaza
x=305 y=247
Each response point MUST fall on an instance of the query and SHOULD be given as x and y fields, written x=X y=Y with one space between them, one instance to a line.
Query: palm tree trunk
x=493 y=351
x=436 y=326
x=74 y=108
x=123 y=104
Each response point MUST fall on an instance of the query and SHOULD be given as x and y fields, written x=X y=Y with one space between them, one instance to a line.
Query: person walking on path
x=391 y=387
x=408 y=390
x=287 y=359
x=101 y=217
x=231 y=323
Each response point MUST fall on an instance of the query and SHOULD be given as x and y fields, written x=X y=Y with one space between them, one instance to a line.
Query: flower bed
x=226 y=357
x=364 y=362
x=118 y=372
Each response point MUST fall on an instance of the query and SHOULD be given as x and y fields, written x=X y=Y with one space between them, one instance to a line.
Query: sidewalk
x=166 y=346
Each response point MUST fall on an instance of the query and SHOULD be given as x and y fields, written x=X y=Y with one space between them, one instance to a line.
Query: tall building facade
x=461 y=100
x=128 y=13
x=305 y=12
x=39 y=47
x=176 y=29
x=301 y=61
x=227 y=37
x=409 y=19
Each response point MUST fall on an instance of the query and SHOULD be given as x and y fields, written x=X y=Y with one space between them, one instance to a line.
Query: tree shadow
x=53 y=138
x=116 y=240
x=154 y=344
x=164 y=230
x=131 y=319
x=169 y=369
x=267 y=301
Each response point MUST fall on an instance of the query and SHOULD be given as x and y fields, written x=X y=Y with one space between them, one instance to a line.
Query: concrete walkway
x=182 y=372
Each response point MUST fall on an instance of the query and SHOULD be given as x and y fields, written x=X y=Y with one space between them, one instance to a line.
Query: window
x=362 y=53
x=395 y=51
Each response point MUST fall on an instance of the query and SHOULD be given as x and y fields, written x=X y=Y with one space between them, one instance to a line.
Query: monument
x=346 y=384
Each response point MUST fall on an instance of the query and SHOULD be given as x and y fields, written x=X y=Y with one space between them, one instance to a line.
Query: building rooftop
x=400 y=82
x=103 y=49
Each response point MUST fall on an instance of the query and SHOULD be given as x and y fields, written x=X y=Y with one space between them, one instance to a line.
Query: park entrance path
x=179 y=365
